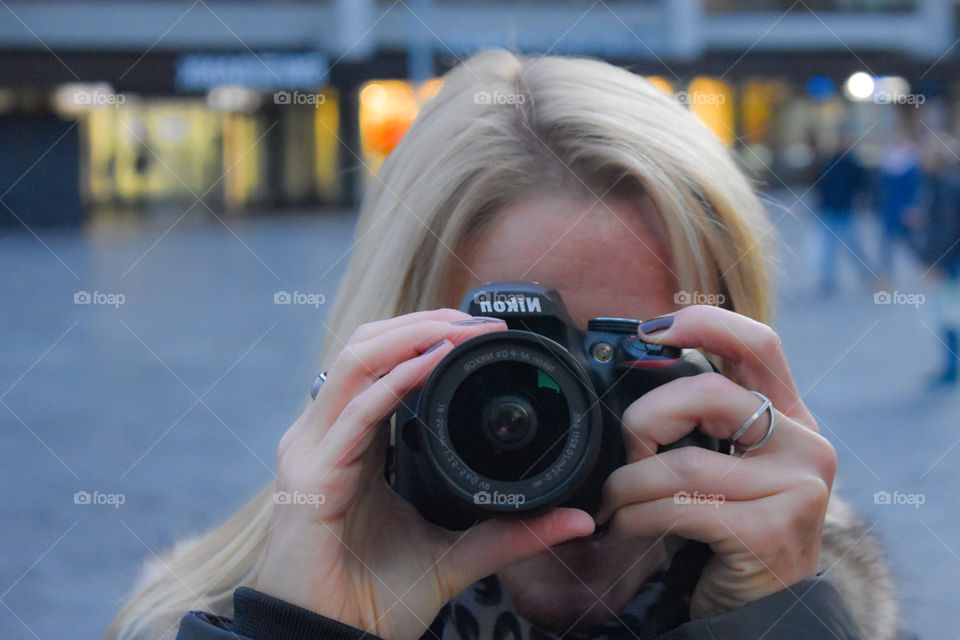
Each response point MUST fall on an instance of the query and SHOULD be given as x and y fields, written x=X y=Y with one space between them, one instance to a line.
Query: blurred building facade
x=246 y=105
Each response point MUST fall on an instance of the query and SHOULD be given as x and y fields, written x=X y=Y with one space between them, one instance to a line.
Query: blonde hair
x=502 y=127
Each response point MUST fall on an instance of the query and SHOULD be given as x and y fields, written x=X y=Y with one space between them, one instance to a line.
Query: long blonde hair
x=502 y=127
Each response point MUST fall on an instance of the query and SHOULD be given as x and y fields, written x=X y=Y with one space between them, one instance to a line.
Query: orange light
x=387 y=109
x=661 y=83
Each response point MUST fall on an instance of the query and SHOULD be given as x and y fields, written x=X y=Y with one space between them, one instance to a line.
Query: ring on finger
x=767 y=406
x=321 y=378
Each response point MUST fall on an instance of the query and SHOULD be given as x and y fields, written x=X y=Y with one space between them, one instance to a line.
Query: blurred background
x=178 y=189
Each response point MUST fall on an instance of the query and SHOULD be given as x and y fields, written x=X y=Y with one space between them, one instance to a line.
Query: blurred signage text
x=265 y=71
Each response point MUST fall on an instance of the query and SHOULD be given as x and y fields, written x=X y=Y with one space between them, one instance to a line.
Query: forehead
x=605 y=258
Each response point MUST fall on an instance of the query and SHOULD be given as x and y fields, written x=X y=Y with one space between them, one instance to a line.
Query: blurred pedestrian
x=936 y=233
x=899 y=192
x=841 y=178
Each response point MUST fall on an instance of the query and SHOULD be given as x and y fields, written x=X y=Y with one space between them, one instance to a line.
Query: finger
x=371 y=329
x=350 y=435
x=359 y=366
x=691 y=474
x=716 y=406
x=366 y=361
x=772 y=528
x=752 y=348
x=493 y=544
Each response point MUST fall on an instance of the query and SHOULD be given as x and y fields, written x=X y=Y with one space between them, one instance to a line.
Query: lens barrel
x=509 y=424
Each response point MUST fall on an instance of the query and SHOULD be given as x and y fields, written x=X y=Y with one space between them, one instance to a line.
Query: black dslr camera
x=513 y=423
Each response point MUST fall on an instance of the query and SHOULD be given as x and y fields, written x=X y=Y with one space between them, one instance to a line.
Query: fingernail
x=476 y=320
x=656 y=325
x=434 y=347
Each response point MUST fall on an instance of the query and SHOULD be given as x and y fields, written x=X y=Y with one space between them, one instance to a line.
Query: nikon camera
x=513 y=423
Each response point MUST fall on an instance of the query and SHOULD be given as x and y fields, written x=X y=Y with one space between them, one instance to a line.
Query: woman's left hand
x=761 y=512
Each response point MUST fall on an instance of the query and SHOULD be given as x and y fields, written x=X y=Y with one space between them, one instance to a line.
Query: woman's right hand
x=345 y=545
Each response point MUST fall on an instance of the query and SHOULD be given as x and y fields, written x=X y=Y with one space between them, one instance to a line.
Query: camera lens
x=512 y=416
x=510 y=422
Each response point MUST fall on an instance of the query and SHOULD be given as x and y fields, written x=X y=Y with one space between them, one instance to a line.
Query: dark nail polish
x=434 y=347
x=476 y=320
x=656 y=325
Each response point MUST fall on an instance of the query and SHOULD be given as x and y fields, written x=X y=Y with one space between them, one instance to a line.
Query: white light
x=859 y=86
x=75 y=98
x=374 y=96
x=893 y=85
x=892 y=90
x=233 y=98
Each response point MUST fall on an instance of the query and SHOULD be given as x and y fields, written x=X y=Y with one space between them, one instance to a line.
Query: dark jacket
x=898 y=193
x=808 y=609
x=811 y=609
x=938 y=240
x=841 y=178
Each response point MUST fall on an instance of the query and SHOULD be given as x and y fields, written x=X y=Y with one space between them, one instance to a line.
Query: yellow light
x=661 y=83
x=326 y=143
x=859 y=86
x=711 y=101
x=759 y=102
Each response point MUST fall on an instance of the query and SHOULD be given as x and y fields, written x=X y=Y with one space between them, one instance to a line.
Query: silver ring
x=767 y=406
x=321 y=378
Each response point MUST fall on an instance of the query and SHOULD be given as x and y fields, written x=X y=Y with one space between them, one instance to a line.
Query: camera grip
x=652 y=371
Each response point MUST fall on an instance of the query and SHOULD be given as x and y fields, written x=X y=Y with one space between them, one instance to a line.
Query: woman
x=584 y=177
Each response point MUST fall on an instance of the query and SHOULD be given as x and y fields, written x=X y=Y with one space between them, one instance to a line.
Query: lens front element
x=510 y=420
